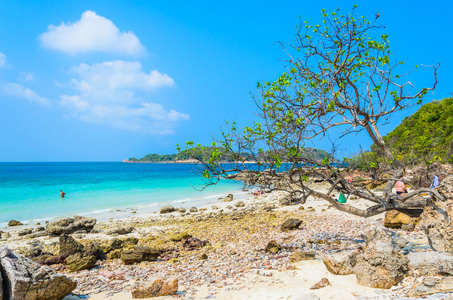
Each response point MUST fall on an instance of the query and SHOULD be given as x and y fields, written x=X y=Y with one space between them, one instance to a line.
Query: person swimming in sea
x=62 y=193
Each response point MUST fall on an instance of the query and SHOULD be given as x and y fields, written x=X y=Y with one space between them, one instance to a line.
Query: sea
x=30 y=192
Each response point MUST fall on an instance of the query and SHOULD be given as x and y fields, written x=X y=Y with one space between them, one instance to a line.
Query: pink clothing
x=400 y=187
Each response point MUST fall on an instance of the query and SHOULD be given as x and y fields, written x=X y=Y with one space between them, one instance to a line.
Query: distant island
x=184 y=157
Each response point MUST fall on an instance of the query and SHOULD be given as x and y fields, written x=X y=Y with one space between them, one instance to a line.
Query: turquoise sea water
x=30 y=192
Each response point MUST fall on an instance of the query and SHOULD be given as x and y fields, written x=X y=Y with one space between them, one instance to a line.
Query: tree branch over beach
x=341 y=77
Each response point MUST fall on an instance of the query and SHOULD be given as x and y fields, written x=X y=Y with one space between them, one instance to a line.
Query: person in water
x=62 y=194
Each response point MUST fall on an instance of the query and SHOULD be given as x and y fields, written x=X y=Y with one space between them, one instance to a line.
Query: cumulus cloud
x=113 y=93
x=91 y=33
x=19 y=91
x=2 y=60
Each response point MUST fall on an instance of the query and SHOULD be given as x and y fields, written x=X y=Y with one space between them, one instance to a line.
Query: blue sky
x=108 y=80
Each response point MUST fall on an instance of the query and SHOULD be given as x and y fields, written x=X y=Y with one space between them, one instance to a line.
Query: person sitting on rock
x=400 y=187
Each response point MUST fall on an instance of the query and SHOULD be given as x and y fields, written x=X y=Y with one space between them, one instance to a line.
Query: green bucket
x=341 y=198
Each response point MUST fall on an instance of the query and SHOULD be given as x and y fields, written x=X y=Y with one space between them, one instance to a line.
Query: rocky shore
x=255 y=248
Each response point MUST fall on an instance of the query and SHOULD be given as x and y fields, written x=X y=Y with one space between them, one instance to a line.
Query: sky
x=109 y=80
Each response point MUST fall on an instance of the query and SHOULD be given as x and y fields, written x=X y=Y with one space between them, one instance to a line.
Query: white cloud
x=19 y=91
x=91 y=33
x=113 y=93
x=26 y=76
x=2 y=60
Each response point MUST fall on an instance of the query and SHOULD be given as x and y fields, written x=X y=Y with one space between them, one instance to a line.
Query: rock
x=431 y=263
x=37 y=234
x=35 y=249
x=115 y=254
x=155 y=288
x=194 y=243
x=193 y=209
x=290 y=224
x=273 y=247
x=93 y=248
x=228 y=198
x=381 y=265
x=26 y=280
x=70 y=225
x=432 y=285
x=180 y=236
x=14 y=223
x=239 y=204
x=113 y=244
x=80 y=261
x=203 y=209
x=68 y=245
x=6 y=235
x=435 y=222
x=395 y=219
x=322 y=283
x=214 y=207
x=341 y=263
x=167 y=209
x=120 y=230
x=181 y=210
x=301 y=255
x=39 y=229
x=203 y=256
x=25 y=231
x=139 y=254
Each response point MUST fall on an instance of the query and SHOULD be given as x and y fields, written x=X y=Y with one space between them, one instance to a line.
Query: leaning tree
x=340 y=77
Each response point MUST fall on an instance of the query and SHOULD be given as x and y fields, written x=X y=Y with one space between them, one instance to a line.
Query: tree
x=340 y=76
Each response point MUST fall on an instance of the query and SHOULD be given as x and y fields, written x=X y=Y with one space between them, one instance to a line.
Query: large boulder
x=431 y=263
x=342 y=263
x=26 y=280
x=167 y=209
x=14 y=223
x=139 y=254
x=69 y=246
x=155 y=288
x=290 y=224
x=381 y=265
x=70 y=225
x=119 y=230
x=80 y=261
x=396 y=219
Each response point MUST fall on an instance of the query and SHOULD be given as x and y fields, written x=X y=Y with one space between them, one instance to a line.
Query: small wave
x=96 y=211
x=181 y=200
x=147 y=205
x=216 y=196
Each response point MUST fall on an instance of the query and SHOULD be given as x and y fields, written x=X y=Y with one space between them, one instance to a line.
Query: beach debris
x=290 y=224
x=14 y=223
x=71 y=225
x=273 y=247
x=155 y=288
x=80 y=261
x=322 y=283
x=431 y=263
x=301 y=255
x=193 y=209
x=228 y=198
x=342 y=263
x=167 y=209
x=139 y=254
x=25 y=231
x=119 y=230
x=239 y=204
x=25 y=279
x=432 y=285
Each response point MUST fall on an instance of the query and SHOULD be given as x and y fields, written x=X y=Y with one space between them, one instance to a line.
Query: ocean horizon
x=30 y=191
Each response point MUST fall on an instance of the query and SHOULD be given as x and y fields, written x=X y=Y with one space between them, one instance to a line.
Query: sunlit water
x=30 y=192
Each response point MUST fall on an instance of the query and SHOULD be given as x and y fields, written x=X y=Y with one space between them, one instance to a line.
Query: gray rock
x=181 y=210
x=342 y=263
x=37 y=234
x=25 y=231
x=139 y=254
x=228 y=198
x=80 y=261
x=290 y=224
x=120 y=230
x=26 y=280
x=193 y=209
x=70 y=225
x=39 y=228
x=14 y=223
x=432 y=285
x=167 y=209
x=239 y=204
x=381 y=265
x=69 y=246
x=431 y=263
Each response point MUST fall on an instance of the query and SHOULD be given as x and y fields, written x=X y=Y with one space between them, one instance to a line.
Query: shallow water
x=30 y=192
